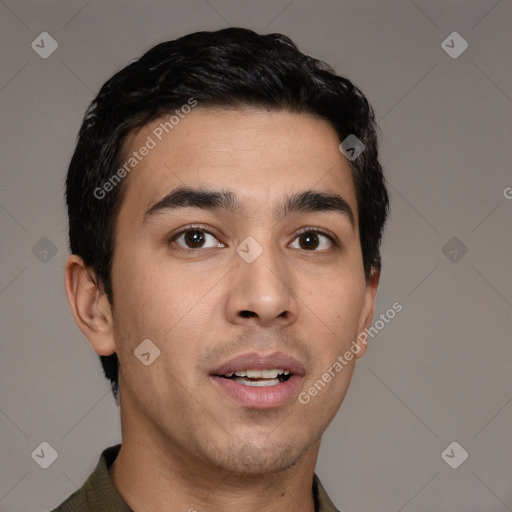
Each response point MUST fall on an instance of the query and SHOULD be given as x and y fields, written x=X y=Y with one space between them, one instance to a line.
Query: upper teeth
x=259 y=374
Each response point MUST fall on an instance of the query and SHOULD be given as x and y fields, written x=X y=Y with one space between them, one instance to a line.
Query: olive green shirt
x=98 y=494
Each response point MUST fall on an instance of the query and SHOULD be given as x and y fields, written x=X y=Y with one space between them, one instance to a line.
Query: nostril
x=248 y=314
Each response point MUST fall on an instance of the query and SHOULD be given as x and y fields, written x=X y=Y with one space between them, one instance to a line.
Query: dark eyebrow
x=307 y=201
x=183 y=197
x=314 y=201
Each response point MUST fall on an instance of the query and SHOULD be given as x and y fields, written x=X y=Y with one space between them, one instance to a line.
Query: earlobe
x=90 y=306
x=367 y=310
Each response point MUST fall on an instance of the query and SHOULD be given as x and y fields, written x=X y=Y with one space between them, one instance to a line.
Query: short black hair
x=229 y=68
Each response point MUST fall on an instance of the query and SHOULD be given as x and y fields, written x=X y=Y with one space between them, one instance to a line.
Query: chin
x=253 y=459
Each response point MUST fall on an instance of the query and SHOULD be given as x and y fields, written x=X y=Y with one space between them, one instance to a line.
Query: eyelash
x=202 y=227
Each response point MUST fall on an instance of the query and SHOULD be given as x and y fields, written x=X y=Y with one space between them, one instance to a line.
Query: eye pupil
x=194 y=238
x=309 y=241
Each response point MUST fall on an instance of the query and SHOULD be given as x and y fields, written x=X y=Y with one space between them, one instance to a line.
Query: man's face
x=188 y=279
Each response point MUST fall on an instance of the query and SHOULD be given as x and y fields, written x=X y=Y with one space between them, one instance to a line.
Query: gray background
x=439 y=372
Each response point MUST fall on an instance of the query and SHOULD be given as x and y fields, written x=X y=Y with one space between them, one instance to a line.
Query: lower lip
x=264 y=397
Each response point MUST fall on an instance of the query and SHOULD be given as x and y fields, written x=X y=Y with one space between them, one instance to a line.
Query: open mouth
x=258 y=381
x=259 y=378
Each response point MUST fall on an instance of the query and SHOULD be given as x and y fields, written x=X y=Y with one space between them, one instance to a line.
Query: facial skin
x=308 y=298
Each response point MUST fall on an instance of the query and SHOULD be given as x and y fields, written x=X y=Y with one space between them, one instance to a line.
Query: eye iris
x=194 y=238
x=309 y=241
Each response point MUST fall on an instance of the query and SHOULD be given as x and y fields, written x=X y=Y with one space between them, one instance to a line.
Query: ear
x=366 y=316
x=90 y=306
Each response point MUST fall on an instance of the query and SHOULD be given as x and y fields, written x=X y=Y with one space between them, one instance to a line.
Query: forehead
x=258 y=154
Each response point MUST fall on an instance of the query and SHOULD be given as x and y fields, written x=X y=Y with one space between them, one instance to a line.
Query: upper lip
x=255 y=361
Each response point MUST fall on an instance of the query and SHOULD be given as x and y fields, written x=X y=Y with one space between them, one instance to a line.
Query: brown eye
x=308 y=241
x=196 y=239
x=311 y=240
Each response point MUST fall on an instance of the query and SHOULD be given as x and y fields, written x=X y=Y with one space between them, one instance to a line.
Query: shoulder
x=98 y=492
x=322 y=501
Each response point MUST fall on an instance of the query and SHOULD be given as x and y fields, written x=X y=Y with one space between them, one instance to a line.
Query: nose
x=261 y=292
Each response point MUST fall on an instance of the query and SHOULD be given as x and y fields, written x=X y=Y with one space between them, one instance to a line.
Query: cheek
x=330 y=317
x=153 y=303
x=152 y=296
x=333 y=329
x=337 y=298
x=170 y=305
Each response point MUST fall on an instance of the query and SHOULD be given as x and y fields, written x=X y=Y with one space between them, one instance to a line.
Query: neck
x=152 y=473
